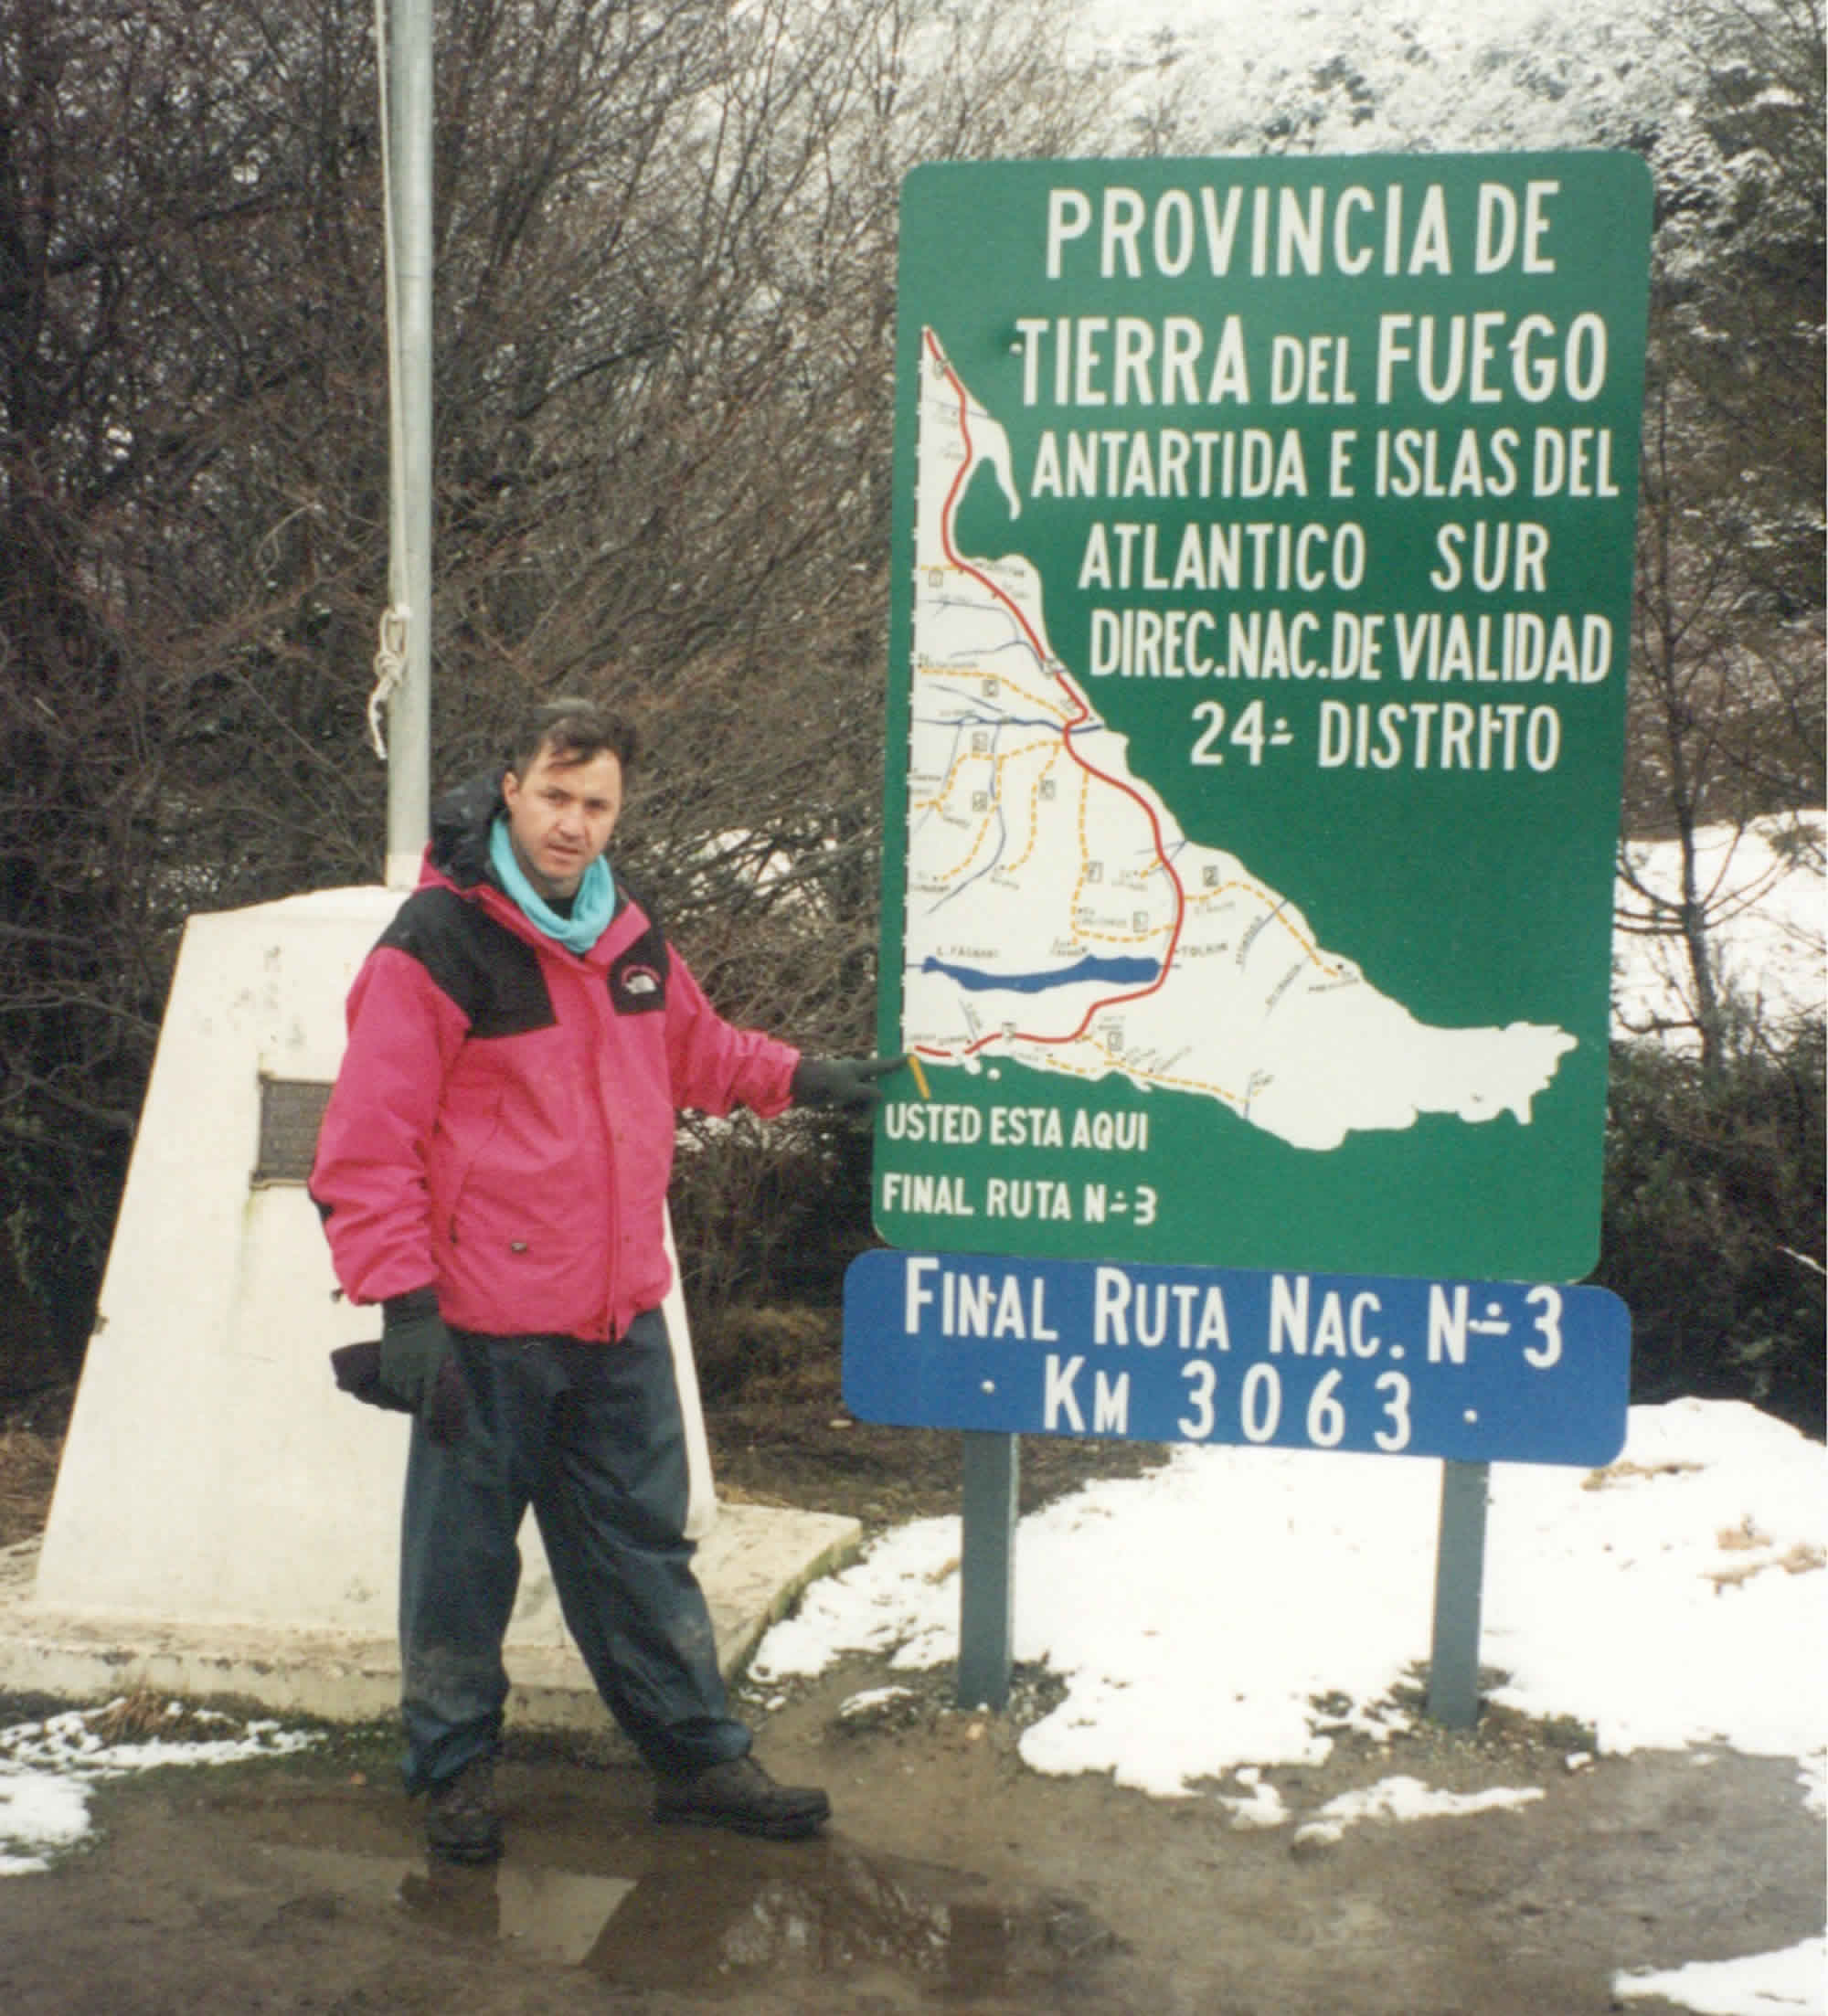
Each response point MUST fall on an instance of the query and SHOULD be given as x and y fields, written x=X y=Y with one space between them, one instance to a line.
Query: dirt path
x=954 y=1879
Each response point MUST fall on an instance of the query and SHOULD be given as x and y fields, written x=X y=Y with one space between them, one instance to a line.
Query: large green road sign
x=1262 y=593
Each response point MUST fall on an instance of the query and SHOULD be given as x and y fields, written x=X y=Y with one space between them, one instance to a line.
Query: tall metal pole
x=409 y=107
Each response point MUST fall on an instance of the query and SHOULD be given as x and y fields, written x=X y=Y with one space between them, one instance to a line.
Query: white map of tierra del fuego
x=1057 y=914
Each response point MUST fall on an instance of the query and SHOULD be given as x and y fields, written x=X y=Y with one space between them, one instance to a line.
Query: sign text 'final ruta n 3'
x=1471 y=1372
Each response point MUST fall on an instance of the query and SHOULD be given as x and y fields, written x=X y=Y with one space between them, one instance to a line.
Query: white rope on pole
x=396 y=621
x=389 y=669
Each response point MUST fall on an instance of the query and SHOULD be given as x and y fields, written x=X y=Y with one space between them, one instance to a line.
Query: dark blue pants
x=591 y=1436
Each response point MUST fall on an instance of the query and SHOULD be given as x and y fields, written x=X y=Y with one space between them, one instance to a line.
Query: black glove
x=412 y=1370
x=846 y=1084
x=357 y=1369
x=420 y=1368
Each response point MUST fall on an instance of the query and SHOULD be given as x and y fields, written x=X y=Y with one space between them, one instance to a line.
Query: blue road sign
x=1477 y=1372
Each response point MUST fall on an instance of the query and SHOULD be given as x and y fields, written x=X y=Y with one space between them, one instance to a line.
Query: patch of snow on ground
x=1407 y=1799
x=1677 y=1597
x=46 y=1768
x=1217 y=1616
x=1794 y=1979
x=1663 y=1598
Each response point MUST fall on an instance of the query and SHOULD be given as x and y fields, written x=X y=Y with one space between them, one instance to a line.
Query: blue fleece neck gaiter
x=591 y=907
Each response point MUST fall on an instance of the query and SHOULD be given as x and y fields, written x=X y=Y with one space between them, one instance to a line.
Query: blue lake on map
x=1117 y=972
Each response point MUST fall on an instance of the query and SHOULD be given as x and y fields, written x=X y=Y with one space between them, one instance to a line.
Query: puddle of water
x=737 y=1915
x=716 y=1916
x=550 y=1914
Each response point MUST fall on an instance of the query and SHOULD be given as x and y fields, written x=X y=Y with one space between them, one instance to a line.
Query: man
x=493 y=1169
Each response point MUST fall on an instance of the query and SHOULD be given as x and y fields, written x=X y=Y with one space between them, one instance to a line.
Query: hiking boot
x=461 y=1820
x=741 y=1796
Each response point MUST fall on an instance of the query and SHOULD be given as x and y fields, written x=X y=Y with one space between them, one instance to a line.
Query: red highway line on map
x=1084 y=713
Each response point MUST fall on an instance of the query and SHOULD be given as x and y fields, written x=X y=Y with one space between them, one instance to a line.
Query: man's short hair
x=571 y=729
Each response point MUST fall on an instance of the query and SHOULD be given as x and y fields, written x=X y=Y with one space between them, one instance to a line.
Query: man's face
x=561 y=817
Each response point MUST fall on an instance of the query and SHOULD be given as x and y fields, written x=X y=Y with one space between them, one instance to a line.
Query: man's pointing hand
x=846 y=1085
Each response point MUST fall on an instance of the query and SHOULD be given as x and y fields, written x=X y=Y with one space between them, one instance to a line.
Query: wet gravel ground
x=953 y=1879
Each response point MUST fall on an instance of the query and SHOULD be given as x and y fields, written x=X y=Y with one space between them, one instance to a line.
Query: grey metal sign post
x=993 y=1475
x=1459 y=1595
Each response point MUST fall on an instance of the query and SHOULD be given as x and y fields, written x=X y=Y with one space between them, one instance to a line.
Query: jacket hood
x=459 y=831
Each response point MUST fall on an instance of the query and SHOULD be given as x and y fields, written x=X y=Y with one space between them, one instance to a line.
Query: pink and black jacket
x=501 y=1127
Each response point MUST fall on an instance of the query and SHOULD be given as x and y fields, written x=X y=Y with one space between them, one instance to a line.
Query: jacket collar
x=458 y=855
x=459 y=848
